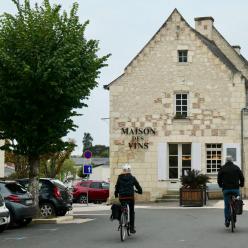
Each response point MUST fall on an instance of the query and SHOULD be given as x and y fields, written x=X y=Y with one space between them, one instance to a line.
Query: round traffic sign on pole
x=88 y=154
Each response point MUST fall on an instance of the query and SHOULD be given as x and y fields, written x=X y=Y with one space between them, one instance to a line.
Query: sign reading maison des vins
x=139 y=138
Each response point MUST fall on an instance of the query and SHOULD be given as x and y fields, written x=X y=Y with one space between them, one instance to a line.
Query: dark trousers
x=131 y=209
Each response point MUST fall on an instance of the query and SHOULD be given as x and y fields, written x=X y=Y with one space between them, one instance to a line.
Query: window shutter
x=162 y=161
x=227 y=150
x=196 y=156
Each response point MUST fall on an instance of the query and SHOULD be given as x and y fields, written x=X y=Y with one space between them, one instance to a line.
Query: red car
x=95 y=191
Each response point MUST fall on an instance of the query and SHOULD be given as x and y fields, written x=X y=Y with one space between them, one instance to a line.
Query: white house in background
x=178 y=106
x=100 y=170
x=1 y=160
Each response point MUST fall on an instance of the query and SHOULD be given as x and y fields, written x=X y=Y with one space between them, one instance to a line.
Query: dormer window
x=182 y=56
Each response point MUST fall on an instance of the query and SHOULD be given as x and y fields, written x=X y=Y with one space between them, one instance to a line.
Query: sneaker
x=132 y=231
x=227 y=223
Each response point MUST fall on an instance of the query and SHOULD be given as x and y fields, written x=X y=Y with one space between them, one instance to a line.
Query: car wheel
x=46 y=210
x=12 y=218
x=83 y=199
x=2 y=228
x=24 y=222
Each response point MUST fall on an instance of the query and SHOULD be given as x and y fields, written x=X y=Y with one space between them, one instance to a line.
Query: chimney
x=237 y=48
x=204 y=25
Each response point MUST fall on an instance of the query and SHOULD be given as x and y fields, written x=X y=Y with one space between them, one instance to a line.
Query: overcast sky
x=124 y=26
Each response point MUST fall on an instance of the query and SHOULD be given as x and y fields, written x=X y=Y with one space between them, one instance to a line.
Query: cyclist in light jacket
x=230 y=178
x=124 y=189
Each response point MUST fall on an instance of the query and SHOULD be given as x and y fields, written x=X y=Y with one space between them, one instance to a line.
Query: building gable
x=175 y=18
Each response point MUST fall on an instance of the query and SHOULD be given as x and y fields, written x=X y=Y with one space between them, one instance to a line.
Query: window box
x=193 y=190
x=192 y=197
x=180 y=116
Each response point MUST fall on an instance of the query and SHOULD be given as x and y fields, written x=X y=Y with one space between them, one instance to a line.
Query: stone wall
x=144 y=97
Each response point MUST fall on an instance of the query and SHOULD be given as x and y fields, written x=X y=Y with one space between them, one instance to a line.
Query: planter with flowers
x=193 y=190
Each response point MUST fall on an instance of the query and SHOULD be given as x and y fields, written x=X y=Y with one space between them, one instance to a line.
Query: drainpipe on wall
x=242 y=137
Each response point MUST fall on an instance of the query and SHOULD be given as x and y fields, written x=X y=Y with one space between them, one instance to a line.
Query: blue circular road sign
x=88 y=154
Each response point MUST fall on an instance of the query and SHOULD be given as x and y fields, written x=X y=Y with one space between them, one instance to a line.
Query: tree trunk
x=34 y=163
x=53 y=168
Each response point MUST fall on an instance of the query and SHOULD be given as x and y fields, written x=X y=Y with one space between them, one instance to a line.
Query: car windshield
x=16 y=188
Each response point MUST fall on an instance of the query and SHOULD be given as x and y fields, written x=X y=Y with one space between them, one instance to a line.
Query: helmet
x=126 y=167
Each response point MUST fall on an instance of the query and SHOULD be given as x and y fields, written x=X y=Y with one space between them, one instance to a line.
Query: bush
x=194 y=180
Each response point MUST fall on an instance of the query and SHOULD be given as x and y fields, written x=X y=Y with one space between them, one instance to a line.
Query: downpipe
x=243 y=110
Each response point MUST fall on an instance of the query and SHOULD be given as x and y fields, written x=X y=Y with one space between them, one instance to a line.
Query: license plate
x=29 y=202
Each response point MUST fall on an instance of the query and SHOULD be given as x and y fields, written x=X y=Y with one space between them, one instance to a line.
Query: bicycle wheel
x=232 y=219
x=123 y=227
x=128 y=229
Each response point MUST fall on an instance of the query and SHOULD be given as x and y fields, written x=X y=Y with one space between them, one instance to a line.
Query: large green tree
x=47 y=70
x=87 y=141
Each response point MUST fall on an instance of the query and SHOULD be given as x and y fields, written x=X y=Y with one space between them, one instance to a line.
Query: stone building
x=179 y=105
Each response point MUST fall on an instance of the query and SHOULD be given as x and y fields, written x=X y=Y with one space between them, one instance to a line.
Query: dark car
x=90 y=191
x=18 y=201
x=54 y=197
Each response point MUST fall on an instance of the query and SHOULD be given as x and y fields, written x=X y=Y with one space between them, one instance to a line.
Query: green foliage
x=194 y=179
x=100 y=151
x=47 y=70
x=68 y=169
x=87 y=141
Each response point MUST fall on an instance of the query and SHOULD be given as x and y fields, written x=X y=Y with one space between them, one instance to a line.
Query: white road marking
x=15 y=238
x=49 y=229
x=89 y=214
x=76 y=221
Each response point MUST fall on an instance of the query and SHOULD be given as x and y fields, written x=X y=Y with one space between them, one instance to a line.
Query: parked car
x=95 y=191
x=18 y=201
x=54 y=197
x=4 y=215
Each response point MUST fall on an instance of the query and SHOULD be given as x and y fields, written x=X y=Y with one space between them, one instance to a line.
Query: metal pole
x=243 y=110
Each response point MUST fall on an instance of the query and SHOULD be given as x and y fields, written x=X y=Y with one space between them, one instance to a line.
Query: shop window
x=179 y=160
x=214 y=158
x=182 y=56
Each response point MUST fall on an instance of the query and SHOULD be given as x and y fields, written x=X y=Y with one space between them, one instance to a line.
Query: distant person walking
x=230 y=178
x=124 y=189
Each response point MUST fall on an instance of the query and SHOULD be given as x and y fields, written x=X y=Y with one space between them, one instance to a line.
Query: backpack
x=116 y=212
x=239 y=206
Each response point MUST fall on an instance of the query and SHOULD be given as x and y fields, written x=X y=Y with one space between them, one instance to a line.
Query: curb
x=56 y=220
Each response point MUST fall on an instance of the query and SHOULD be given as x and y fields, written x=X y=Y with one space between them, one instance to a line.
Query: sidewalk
x=150 y=205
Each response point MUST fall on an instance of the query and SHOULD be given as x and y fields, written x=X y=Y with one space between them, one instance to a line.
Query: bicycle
x=232 y=207
x=124 y=226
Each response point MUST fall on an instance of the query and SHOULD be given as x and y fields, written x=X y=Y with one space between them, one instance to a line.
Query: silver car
x=4 y=215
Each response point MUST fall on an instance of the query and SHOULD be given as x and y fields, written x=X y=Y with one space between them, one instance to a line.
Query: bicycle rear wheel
x=128 y=229
x=232 y=219
x=123 y=227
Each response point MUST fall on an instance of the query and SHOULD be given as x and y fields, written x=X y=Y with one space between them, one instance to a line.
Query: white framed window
x=214 y=158
x=181 y=105
x=179 y=160
x=182 y=56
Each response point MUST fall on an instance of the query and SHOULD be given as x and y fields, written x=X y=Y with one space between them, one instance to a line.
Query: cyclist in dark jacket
x=124 y=189
x=230 y=178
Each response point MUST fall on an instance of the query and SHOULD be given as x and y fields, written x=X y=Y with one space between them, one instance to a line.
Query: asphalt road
x=167 y=228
